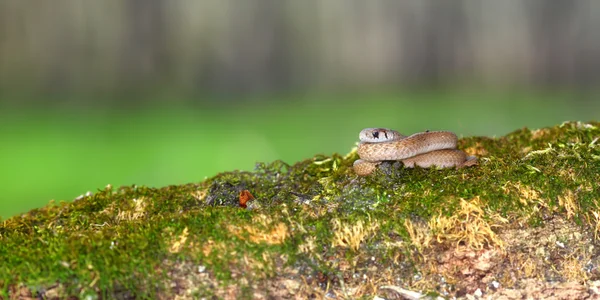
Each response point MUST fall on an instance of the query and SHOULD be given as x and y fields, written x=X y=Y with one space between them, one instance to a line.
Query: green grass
x=59 y=155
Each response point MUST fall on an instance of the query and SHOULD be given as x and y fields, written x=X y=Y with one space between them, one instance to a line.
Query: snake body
x=423 y=149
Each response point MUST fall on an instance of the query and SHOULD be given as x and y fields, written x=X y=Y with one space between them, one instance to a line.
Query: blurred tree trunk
x=437 y=43
x=555 y=40
x=144 y=50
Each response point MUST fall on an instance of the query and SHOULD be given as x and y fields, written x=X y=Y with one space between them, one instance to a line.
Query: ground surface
x=523 y=223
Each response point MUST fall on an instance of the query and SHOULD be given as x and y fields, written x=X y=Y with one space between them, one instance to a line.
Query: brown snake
x=423 y=149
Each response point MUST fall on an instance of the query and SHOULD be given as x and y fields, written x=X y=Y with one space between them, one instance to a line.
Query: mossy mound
x=529 y=213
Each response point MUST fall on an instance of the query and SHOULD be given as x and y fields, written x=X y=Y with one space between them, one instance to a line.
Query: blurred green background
x=167 y=92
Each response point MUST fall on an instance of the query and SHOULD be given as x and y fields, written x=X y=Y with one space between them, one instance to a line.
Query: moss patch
x=529 y=211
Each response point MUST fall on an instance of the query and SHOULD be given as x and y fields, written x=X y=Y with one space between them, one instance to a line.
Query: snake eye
x=385 y=133
x=376 y=134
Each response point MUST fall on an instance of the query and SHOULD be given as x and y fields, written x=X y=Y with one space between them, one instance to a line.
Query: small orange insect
x=245 y=196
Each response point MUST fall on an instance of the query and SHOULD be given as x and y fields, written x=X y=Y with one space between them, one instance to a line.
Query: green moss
x=195 y=240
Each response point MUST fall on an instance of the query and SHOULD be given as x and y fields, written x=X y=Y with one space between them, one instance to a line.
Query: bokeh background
x=159 y=92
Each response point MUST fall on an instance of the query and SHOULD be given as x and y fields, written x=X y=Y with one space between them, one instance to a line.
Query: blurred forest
x=233 y=47
x=154 y=92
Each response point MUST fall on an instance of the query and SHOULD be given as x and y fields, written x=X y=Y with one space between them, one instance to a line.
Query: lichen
x=529 y=210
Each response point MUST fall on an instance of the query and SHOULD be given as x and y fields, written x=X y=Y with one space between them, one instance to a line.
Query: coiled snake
x=423 y=149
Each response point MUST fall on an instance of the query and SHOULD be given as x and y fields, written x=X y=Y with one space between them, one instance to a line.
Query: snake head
x=378 y=135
